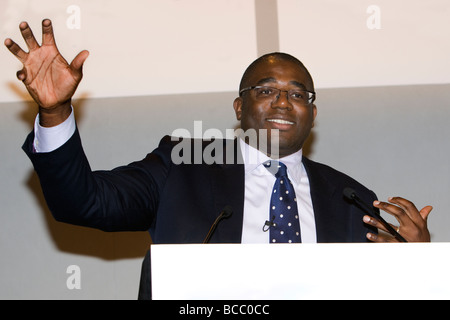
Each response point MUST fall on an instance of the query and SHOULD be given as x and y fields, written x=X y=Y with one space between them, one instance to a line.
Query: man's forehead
x=279 y=66
x=273 y=80
x=275 y=70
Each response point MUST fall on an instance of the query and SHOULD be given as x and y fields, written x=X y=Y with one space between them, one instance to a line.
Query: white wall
x=343 y=47
x=383 y=101
x=193 y=46
x=153 y=47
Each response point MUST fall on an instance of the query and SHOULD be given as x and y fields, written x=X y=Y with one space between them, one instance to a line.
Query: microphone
x=268 y=224
x=350 y=194
x=226 y=212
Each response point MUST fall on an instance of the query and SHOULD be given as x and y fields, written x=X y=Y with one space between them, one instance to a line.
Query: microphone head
x=227 y=212
x=349 y=193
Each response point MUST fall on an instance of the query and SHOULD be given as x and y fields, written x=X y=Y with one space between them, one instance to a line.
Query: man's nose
x=282 y=101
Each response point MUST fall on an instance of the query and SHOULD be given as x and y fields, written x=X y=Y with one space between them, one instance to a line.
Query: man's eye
x=265 y=91
x=297 y=95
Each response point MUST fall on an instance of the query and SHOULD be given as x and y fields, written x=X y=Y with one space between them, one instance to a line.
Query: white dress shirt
x=258 y=182
x=258 y=191
x=49 y=139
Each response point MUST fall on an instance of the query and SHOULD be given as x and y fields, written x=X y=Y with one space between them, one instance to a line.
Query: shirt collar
x=254 y=159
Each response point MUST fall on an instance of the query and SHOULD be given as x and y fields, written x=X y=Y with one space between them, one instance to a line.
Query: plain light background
x=156 y=66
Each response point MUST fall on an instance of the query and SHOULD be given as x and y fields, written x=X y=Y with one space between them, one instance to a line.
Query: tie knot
x=277 y=168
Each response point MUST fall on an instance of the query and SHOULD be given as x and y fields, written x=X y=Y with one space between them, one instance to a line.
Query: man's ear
x=237 y=105
x=314 y=114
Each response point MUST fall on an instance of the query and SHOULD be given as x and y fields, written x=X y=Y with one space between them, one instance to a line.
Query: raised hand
x=49 y=79
x=412 y=222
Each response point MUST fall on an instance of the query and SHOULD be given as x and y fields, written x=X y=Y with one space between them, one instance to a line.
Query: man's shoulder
x=339 y=179
x=185 y=150
x=174 y=140
x=323 y=168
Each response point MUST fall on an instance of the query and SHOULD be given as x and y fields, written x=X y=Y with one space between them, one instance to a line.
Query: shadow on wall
x=86 y=241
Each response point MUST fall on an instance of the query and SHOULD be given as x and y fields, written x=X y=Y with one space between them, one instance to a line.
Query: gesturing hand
x=49 y=79
x=413 y=223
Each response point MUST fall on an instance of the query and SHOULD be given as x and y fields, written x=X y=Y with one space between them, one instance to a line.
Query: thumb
x=425 y=212
x=78 y=61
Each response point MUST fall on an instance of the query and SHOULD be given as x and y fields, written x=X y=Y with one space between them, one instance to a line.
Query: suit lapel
x=322 y=192
x=227 y=180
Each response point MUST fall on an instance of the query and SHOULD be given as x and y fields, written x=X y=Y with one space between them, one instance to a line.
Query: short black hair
x=273 y=55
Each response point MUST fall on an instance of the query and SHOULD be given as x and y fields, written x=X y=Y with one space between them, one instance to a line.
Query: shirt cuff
x=50 y=139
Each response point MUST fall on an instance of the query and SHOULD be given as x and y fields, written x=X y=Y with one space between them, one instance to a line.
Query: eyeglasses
x=295 y=96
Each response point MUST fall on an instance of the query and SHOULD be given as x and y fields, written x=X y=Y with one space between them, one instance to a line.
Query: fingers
x=28 y=36
x=48 y=37
x=20 y=54
x=407 y=206
x=32 y=44
x=15 y=49
x=387 y=237
x=425 y=212
x=22 y=74
x=401 y=209
x=78 y=61
x=380 y=238
x=404 y=209
x=30 y=40
x=377 y=224
x=413 y=223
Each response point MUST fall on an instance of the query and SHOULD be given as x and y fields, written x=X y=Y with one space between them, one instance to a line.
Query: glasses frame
x=311 y=97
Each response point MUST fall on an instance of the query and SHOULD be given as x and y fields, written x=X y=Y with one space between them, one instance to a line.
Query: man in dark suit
x=178 y=202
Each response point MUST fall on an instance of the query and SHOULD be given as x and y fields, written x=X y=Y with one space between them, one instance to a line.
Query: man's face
x=293 y=120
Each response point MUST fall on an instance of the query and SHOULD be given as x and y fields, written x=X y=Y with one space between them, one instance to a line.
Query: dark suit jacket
x=179 y=203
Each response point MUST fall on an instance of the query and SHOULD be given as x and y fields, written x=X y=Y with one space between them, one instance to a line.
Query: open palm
x=49 y=79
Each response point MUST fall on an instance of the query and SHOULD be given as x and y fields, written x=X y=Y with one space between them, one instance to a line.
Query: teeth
x=280 y=121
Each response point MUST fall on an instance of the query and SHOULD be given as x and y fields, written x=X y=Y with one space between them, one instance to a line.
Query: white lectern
x=301 y=271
